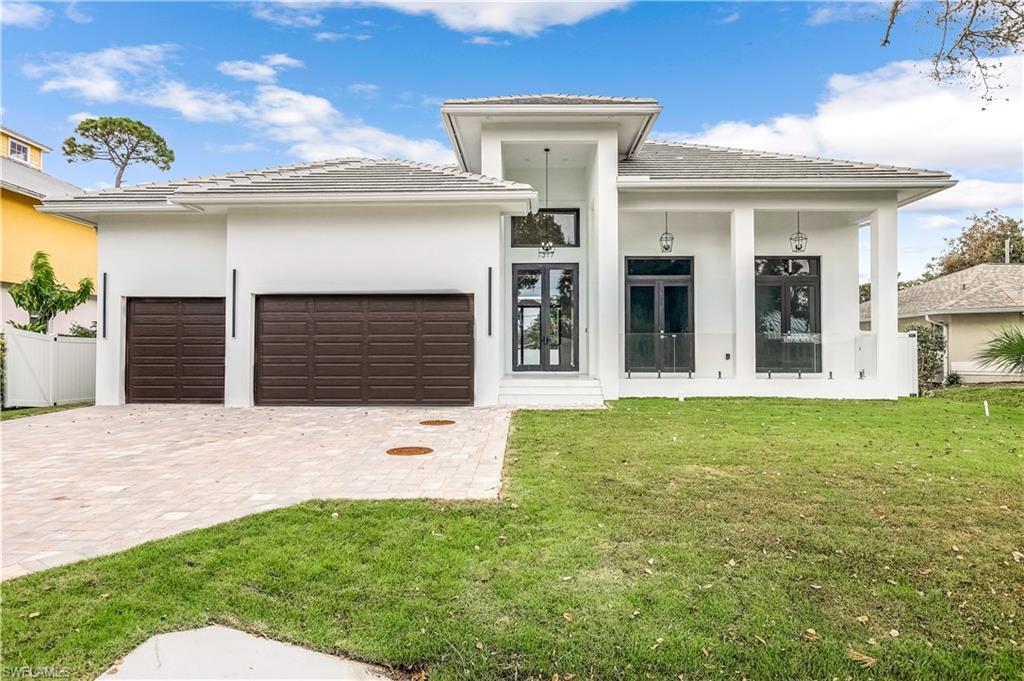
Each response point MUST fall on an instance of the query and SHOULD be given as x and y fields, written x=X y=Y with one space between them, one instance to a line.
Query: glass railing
x=680 y=355
x=777 y=355
x=815 y=354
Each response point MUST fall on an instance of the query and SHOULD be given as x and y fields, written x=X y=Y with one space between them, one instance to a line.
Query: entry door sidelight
x=545 y=313
x=659 y=315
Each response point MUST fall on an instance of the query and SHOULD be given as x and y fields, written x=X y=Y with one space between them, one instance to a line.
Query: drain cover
x=437 y=422
x=409 y=451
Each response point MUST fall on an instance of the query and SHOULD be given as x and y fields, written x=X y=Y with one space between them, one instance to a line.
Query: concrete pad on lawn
x=217 y=652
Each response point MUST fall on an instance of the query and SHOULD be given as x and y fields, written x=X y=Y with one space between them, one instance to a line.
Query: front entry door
x=545 y=312
x=659 y=325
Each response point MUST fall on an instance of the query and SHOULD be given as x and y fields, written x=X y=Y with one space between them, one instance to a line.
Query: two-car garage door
x=319 y=349
x=364 y=349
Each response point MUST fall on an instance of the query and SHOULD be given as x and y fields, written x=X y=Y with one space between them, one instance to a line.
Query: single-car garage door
x=364 y=349
x=175 y=350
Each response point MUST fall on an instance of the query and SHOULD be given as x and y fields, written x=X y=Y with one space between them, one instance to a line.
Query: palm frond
x=1004 y=351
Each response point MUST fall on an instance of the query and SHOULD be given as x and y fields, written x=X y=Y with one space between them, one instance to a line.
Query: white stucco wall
x=179 y=255
x=362 y=250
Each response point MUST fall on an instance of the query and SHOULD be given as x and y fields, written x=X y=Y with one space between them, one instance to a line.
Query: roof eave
x=643 y=182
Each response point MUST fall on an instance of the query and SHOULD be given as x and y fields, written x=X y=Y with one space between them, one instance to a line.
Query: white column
x=608 y=323
x=742 y=240
x=884 y=291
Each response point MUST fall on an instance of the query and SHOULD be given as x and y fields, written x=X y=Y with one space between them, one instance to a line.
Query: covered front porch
x=725 y=295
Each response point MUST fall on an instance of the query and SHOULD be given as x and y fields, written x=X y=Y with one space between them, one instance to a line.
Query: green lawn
x=22 y=412
x=654 y=540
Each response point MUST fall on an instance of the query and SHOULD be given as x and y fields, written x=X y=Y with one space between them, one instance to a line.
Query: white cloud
x=526 y=18
x=364 y=89
x=330 y=36
x=261 y=72
x=75 y=14
x=24 y=14
x=314 y=129
x=974 y=195
x=77 y=118
x=935 y=223
x=194 y=104
x=100 y=76
x=730 y=18
x=290 y=14
x=248 y=70
x=239 y=148
x=487 y=40
x=281 y=60
x=836 y=11
x=898 y=115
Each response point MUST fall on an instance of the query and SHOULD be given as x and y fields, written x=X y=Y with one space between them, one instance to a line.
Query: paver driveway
x=91 y=481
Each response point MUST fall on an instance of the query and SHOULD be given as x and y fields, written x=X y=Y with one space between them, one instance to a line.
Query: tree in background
x=122 y=141
x=865 y=289
x=982 y=240
x=970 y=31
x=43 y=297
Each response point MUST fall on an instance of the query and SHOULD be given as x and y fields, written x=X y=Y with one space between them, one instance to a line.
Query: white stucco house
x=565 y=259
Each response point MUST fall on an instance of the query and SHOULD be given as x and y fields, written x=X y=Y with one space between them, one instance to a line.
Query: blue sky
x=239 y=85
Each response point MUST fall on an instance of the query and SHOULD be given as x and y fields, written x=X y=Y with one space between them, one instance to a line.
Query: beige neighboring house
x=971 y=306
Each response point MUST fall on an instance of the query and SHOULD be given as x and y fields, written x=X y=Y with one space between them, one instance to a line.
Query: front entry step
x=551 y=391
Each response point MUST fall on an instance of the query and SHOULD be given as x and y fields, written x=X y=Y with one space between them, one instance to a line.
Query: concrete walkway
x=91 y=481
x=221 y=653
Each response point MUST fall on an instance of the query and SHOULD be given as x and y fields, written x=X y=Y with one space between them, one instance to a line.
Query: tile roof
x=555 y=98
x=990 y=286
x=343 y=177
x=24 y=179
x=660 y=160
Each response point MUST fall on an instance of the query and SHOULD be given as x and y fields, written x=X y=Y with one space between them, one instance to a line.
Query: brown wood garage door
x=175 y=350
x=364 y=349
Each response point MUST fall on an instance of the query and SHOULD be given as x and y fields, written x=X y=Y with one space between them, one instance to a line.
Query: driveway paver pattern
x=96 y=480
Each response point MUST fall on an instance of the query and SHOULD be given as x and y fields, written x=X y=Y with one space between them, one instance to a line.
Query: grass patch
x=22 y=412
x=1003 y=394
x=654 y=540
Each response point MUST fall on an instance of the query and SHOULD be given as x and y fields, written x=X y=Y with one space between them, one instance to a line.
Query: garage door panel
x=364 y=349
x=174 y=350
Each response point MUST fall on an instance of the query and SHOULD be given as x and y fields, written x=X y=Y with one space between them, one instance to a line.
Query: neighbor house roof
x=24 y=179
x=343 y=179
x=658 y=160
x=991 y=287
x=552 y=99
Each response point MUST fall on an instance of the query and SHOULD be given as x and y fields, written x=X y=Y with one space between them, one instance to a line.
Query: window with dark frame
x=560 y=226
x=787 y=305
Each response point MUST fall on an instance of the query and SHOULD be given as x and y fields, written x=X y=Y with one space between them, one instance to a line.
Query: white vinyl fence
x=907 y=348
x=45 y=369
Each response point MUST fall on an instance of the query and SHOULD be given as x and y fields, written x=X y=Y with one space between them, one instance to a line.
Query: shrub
x=931 y=356
x=953 y=378
x=80 y=331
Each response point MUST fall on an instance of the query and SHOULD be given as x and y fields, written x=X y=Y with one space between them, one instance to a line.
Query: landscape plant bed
x=717 y=539
x=22 y=412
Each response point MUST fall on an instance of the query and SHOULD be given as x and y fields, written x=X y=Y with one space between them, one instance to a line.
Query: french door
x=659 y=322
x=787 y=304
x=545 y=314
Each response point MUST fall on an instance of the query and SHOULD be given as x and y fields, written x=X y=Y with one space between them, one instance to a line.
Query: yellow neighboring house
x=23 y=230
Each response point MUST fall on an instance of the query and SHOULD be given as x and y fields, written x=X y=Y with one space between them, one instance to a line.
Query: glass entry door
x=659 y=318
x=788 y=316
x=545 y=309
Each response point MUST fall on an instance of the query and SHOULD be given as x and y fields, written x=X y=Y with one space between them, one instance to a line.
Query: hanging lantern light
x=547 y=246
x=666 y=240
x=798 y=240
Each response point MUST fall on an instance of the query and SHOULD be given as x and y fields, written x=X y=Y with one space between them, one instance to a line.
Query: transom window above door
x=560 y=226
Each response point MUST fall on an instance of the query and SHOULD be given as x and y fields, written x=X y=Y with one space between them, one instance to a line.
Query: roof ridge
x=791 y=157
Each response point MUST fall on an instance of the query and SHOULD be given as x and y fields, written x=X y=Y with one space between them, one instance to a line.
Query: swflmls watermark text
x=27 y=672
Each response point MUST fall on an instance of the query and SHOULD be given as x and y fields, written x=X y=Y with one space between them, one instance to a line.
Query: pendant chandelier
x=547 y=246
x=798 y=240
x=666 y=240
